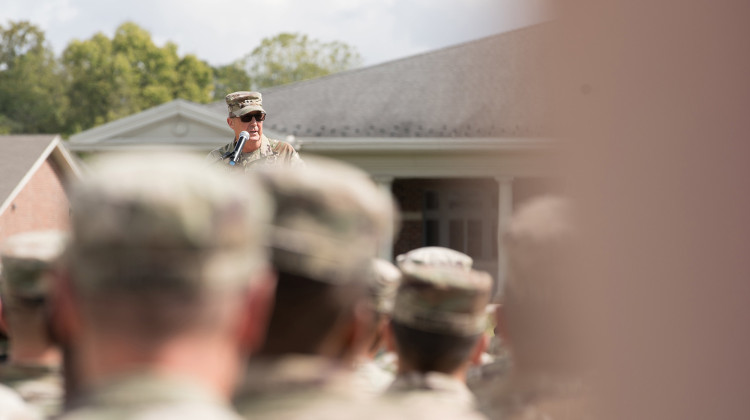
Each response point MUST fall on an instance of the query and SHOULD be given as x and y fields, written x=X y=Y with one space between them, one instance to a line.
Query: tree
x=110 y=79
x=230 y=78
x=32 y=88
x=291 y=57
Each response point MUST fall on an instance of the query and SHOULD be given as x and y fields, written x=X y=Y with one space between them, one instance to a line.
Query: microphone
x=235 y=156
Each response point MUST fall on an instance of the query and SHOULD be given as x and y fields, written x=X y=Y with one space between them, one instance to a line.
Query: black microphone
x=235 y=157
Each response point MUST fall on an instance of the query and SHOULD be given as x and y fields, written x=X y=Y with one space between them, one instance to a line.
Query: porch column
x=385 y=182
x=504 y=213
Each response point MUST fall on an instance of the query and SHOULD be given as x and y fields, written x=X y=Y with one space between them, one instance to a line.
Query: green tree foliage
x=230 y=78
x=291 y=57
x=113 y=78
x=32 y=96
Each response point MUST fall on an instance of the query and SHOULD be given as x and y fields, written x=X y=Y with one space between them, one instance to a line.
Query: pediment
x=177 y=123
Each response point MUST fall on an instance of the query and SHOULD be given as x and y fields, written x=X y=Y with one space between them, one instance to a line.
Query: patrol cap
x=25 y=259
x=446 y=300
x=330 y=219
x=167 y=213
x=435 y=256
x=240 y=103
x=384 y=284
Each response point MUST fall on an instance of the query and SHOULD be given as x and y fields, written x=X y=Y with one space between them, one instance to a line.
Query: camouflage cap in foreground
x=330 y=220
x=384 y=284
x=166 y=213
x=240 y=103
x=25 y=259
x=435 y=256
x=445 y=300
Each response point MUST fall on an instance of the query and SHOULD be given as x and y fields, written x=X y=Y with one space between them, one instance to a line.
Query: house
x=459 y=135
x=34 y=172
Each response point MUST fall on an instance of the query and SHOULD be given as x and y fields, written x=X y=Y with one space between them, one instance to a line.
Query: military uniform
x=438 y=295
x=39 y=385
x=294 y=387
x=151 y=228
x=271 y=151
x=329 y=223
x=25 y=285
x=12 y=406
x=148 y=396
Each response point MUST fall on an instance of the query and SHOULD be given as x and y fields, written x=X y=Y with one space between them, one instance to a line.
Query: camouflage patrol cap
x=447 y=300
x=383 y=284
x=240 y=103
x=25 y=259
x=165 y=221
x=435 y=256
x=330 y=220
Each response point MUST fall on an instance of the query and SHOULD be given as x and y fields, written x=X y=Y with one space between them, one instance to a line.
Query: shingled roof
x=21 y=156
x=481 y=88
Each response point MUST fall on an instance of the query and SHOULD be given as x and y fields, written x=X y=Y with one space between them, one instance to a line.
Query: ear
x=255 y=316
x=479 y=348
x=230 y=122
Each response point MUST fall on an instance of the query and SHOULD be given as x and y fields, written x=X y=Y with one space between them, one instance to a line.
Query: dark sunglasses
x=259 y=116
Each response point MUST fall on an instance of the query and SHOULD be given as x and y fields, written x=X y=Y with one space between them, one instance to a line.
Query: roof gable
x=178 y=122
x=21 y=156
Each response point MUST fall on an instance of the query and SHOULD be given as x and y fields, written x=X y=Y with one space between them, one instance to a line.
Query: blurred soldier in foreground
x=437 y=329
x=330 y=221
x=382 y=291
x=246 y=115
x=13 y=407
x=435 y=256
x=34 y=365
x=164 y=280
x=533 y=318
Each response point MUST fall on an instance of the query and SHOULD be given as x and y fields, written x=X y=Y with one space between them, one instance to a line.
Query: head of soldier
x=438 y=319
x=535 y=317
x=27 y=264
x=329 y=223
x=166 y=268
x=246 y=113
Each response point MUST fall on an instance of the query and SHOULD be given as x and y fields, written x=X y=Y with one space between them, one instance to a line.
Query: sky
x=221 y=31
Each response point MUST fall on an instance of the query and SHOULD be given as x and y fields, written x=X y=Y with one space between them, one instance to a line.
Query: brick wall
x=42 y=204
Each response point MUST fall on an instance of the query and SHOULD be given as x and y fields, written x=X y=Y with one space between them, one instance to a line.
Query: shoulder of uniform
x=281 y=146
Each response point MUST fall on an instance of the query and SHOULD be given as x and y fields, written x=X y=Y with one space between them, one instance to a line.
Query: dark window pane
x=431 y=200
x=431 y=233
x=456 y=235
x=474 y=228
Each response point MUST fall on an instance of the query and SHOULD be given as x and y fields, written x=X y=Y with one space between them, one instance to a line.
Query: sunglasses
x=259 y=116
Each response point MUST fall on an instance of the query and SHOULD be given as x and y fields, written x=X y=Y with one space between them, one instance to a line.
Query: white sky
x=221 y=31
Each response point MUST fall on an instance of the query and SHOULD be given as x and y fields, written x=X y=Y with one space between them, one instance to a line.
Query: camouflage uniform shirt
x=39 y=385
x=296 y=387
x=431 y=391
x=12 y=407
x=270 y=152
x=149 y=397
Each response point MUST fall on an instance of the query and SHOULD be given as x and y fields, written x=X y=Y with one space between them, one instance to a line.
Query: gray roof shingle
x=18 y=153
x=481 y=88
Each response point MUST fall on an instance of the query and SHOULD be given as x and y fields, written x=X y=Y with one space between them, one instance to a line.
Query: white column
x=385 y=182
x=504 y=213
